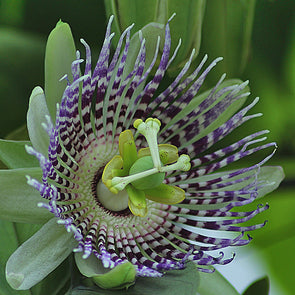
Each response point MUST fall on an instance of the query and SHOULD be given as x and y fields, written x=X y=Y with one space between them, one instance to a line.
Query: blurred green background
x=270 y=67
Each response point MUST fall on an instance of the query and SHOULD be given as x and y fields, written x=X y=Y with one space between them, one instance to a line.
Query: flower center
x=132 y=177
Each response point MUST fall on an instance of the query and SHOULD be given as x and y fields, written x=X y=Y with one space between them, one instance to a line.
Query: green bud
x=187 y=24
x=120 y=277
x=59 y=55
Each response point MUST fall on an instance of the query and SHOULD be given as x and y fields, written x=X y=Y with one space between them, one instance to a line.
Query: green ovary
x=148 y=182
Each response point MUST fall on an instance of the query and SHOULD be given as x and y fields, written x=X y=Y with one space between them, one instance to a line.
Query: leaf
x=184 y=282
x=260 y=287
x=20 y=133
x=9 y=243
x=215 y=283
x=14 y=155
x=276 y=241
x=227 y=29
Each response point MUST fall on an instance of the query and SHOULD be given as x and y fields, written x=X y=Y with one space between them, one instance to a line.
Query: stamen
x=141 y=174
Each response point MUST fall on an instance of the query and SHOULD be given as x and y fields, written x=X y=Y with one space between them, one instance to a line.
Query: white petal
x=39 y=255
x=35 y=117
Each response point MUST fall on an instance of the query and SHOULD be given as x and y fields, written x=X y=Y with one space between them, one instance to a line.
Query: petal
x=39 y=255
x=35 y=117
x=14 y=155
x=18 y=199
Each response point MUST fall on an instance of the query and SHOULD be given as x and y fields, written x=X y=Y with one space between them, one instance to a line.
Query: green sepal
x=165 y=194
x=184 y=282
x=18 y=199
x=10 y=240
x=120 y=277
x=59 y=55
x=14 y=155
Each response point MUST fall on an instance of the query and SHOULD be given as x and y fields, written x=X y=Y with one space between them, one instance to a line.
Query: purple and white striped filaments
x=96 y=107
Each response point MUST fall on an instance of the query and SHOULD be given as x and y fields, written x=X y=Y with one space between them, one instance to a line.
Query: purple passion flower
x=131 y=169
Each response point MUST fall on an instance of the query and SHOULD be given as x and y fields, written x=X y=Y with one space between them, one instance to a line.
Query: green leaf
x=18 y=199
x=14 y=155
x=60 y=53
x=260 y=287
x=127 y=12
x=227 y=28
x=184 y=282
x=275 y=243
x=39 y=255
x=20 y=133
x=36 y=116
x=215 y=283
